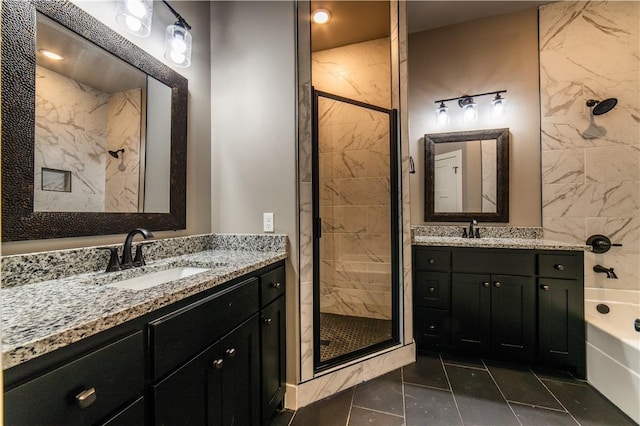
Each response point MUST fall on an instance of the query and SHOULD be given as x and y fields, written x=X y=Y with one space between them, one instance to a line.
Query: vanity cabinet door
x=220 y=386
x=273 y=349
x=470 y=312
x=513 y=317
x=561 y=334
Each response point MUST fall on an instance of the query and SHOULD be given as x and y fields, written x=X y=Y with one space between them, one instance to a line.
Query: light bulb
x=137 y=8
x=135 y=16
x=133 y=23
x=177 y=45
x=499 y=106
x=51 y=55
x=442 y=114
x=321 y=16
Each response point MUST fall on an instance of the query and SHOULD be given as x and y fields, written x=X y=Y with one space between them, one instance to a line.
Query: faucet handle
x=464 y=232
x=114 y=263
x=477 y=233
x=138 y=260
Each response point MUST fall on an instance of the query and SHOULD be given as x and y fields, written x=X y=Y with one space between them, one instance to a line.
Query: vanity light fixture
x=51 y=55
x=321 y=16
x=469 y=106
x=135 y=16
x=178 y=41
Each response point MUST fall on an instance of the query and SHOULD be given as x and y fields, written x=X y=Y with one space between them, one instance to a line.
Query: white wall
x=253 y=129
x=199 y=121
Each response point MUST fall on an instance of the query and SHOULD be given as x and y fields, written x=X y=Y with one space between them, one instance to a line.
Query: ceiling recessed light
x=51 y=55
x=321 y=16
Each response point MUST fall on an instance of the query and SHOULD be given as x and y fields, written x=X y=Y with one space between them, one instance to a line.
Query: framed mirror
x=93 y=143
x=467 y=176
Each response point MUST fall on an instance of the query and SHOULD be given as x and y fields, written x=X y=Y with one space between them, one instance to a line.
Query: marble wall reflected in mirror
x=92 y=125
x=102 y=175
x=467 y=176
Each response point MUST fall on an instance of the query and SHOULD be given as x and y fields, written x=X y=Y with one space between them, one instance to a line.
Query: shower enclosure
x=356 y=230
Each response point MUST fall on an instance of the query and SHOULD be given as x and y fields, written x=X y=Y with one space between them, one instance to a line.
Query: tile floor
x=451 y=390
x=342 y=334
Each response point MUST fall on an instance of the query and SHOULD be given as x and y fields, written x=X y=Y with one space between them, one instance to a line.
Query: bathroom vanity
x=216 y=356
x=520 y=302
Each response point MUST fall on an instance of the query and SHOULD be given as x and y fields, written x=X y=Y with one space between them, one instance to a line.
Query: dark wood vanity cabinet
x=516 y=305
x=212 y=359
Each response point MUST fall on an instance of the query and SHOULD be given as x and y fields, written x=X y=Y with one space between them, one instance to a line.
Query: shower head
x=114 y=154
x=602 y=107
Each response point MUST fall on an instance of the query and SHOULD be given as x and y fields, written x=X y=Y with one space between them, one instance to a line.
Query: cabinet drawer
x=132 y=415
x=559 y=266
x=432 y=328
x=115 y=373
x=432 y=289
x=271 y=286
x=487 y=261
x=180 y=335
x=432 y=259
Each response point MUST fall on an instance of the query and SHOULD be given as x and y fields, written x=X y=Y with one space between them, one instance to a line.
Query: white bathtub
x=613 y=347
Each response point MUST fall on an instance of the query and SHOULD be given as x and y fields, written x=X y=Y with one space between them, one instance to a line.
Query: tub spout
x=608 y=271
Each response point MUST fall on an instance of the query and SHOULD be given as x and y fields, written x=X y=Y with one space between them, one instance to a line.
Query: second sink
x=156 y=278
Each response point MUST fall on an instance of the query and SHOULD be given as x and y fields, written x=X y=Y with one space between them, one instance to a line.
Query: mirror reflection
x=465 y=177
x=91 y=129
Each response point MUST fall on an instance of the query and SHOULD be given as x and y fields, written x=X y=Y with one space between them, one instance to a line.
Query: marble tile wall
x=591 y=164
x=123 y=131
x=70 y=135
x=354 y=161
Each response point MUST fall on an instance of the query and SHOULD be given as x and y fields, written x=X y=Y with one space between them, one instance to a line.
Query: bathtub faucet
x=608 y=271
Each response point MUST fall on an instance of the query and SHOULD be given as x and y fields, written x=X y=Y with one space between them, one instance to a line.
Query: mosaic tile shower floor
x=341 y=334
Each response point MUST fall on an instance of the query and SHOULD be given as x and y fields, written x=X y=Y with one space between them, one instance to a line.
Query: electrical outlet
x=267 y=222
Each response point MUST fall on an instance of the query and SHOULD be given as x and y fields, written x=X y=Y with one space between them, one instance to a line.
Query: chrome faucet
x=127 y=259
x=471 y=233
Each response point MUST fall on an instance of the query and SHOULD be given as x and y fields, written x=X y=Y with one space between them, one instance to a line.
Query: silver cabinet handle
x=497 y=284
x=86 y=398
x=545 y=287
x=266 y=321
x=432 y=289
x=559 y=267
x=276 y=285
x=485 y=284
x=217 y=364
x=230 y=353
x=431 y=261
x=432 y=327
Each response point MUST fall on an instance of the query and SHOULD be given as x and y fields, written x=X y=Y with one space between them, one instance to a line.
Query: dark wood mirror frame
x=19 y=221
x=502 y=164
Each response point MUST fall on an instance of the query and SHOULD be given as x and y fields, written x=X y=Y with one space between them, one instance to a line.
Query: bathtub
x=613 y=347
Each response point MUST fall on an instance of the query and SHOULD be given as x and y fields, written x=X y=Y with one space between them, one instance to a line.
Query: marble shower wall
x=591 y=164
x=123 y=131
x=355 y=273
x=70 y=135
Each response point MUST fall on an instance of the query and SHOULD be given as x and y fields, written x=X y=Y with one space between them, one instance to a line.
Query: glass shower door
x=356 y=229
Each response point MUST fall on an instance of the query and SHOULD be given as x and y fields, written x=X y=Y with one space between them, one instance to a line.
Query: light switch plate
x=267 y=222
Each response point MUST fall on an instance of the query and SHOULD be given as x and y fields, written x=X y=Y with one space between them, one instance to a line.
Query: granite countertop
x=489 y=242
x=40 y=317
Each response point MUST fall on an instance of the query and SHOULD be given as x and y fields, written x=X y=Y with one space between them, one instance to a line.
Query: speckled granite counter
x=491 y=237
x=510 y=243
x=40 y=317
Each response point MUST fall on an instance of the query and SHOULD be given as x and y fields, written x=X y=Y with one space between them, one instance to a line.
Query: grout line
x=463 y=366
x=554 y=396
x=455 y=401
x=526 y=404
x=429 y=387
x=501 y=393
x=353 y=395
x=378 y=411
x=292 y=417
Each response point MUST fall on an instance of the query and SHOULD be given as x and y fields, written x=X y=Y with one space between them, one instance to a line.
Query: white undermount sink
x=156 y=278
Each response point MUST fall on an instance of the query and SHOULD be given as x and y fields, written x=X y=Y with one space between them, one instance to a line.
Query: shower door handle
x=318 y=225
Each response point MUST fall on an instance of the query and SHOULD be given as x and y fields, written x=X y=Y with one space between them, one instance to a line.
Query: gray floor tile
x=587 y=405
x=465 y=361
x=534 y=416
x=557 y=375
x=478 y=398
x=362 y=416
x=426 y=371
x=381 y=394
x=519 y=384
x=427 y=406
x=332 y=411
x=282 y=418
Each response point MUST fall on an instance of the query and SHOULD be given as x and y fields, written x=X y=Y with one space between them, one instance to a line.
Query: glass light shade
x=321 y=16
x=499 y=107
x=135 y=16
x=442 y=115
x=177 y=45
x=470 y=113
